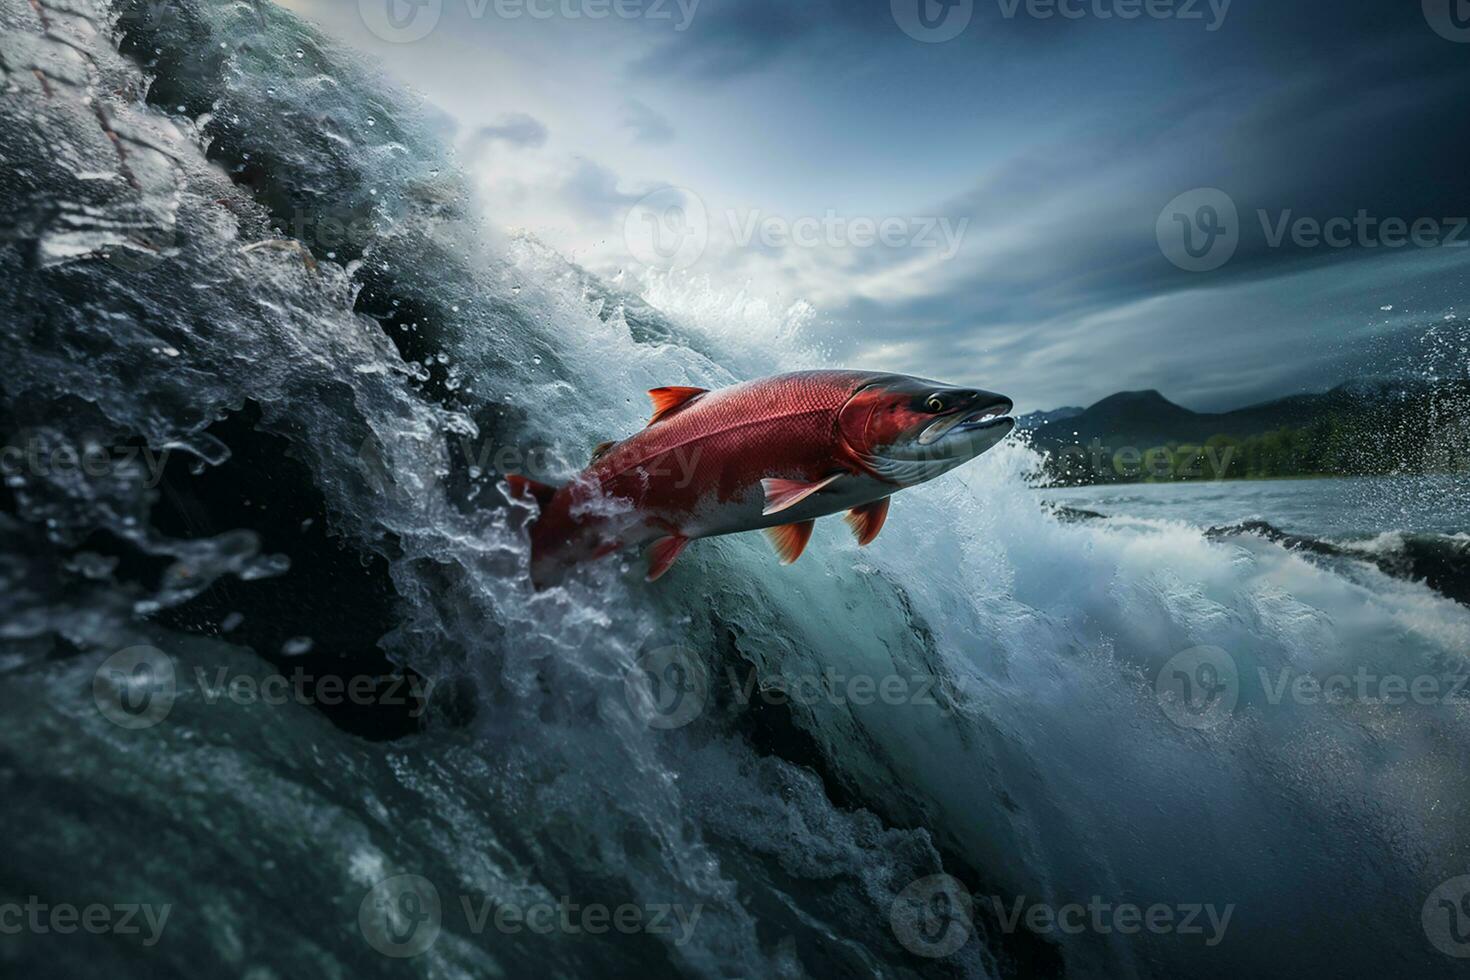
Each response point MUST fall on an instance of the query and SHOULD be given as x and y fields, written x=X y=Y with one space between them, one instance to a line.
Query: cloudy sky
x=1227 y=200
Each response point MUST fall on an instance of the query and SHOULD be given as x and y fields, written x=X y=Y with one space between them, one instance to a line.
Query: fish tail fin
x=524 y=488
x=543 y=572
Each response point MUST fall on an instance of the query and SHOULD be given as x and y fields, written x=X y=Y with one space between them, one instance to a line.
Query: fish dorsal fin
x=521 y=488
x=790 y=540
x=668 y=400
x=781 y=494
x=866 y=521
x=661 y=554
x=601 y=450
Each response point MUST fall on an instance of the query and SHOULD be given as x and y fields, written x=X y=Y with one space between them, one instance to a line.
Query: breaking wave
x=244 y=257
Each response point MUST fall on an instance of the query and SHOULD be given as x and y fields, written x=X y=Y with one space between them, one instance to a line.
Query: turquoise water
x=1341 y=509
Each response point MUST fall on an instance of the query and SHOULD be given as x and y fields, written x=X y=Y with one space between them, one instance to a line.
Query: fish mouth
x=992 y=415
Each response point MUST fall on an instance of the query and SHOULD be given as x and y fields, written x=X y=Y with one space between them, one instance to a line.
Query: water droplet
x=535 y=358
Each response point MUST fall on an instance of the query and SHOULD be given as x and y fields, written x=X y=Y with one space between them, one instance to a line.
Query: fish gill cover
x=244 y=278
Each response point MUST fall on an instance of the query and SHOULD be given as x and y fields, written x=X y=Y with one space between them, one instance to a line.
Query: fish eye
x=935 y=404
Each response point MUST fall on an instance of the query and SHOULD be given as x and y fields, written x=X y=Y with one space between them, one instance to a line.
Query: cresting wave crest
x=356 y=395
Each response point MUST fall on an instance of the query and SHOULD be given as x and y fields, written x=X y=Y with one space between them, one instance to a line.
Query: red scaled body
x=775 y=453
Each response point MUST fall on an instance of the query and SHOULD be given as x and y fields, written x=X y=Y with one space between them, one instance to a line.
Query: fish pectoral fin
x=601 y=450
x=521 y=488
x=661 y=554
x=866 y=521
x=790 y=540
x=781 y=494
x=668 y=400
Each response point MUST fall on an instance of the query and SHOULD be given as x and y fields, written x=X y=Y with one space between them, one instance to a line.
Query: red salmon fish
x=772 y=454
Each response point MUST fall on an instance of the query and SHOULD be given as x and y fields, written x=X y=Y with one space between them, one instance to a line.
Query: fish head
x=911 y=430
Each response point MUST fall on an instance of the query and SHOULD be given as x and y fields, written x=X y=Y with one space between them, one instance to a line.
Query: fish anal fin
x=661 y=554
x=866 y=521
x=668 y=400
x=522 y=488
x=790 y=540
x=781 y=494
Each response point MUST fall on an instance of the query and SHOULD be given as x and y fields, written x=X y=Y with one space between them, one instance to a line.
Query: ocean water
x=1001 y=741
x=1342 y=508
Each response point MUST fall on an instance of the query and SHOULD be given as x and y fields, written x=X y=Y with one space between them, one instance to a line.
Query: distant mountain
x=1362 y=426
x=1036 y=420
x=1147 y=418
